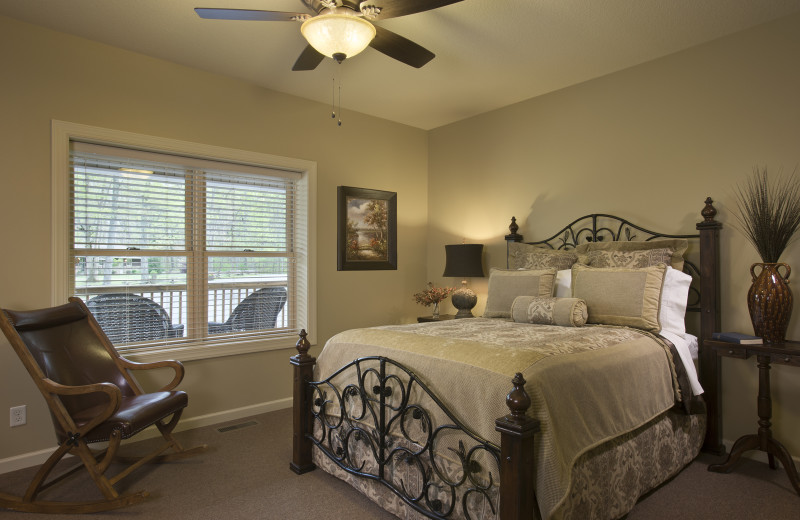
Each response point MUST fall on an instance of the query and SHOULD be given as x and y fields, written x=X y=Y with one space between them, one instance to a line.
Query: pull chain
x=339 y=122
x=333 y=98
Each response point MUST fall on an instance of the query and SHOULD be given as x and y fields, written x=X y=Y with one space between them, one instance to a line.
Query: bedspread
x=587 y=384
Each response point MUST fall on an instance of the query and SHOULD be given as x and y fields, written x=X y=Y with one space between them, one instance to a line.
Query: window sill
x=192 y=352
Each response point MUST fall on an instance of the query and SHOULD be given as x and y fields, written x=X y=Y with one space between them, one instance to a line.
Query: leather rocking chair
x=92 y=398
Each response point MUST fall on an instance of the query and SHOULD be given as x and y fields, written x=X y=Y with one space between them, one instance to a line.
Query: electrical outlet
x=18 y=415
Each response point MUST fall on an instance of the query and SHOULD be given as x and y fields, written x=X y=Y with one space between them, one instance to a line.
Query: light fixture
x=338 y=36
x=463 y=261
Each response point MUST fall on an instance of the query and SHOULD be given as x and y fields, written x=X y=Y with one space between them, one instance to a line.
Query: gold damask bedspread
x=587 y=384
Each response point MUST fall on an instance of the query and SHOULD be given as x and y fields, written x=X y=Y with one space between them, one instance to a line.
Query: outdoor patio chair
x=92 y=398
x=258 y=311
x=129 y=318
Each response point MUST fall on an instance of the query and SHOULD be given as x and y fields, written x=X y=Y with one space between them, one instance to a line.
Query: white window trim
x=63 y=132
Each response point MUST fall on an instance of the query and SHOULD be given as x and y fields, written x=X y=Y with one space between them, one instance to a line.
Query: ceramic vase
x=770 y=301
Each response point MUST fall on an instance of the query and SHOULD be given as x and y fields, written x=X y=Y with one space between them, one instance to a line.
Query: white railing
x=222 y=298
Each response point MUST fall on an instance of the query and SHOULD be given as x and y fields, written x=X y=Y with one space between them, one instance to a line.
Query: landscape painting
x=367 y=229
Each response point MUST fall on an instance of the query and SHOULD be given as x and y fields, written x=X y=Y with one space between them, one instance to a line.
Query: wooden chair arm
x=111 y=390
x=170 y=363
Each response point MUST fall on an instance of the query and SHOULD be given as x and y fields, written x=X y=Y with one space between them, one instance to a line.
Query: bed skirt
x=607 y=480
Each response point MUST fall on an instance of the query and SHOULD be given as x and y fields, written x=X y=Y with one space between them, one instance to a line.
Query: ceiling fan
x=342 y=28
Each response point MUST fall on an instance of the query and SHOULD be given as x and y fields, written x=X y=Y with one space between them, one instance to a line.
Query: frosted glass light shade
x=333 y=34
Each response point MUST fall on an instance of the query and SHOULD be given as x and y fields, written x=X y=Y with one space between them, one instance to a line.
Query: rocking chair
x=92 y=398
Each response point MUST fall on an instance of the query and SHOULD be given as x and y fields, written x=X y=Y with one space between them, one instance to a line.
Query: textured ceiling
x=489 y=54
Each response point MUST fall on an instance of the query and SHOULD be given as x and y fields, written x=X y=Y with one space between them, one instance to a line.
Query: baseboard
x=36 y=458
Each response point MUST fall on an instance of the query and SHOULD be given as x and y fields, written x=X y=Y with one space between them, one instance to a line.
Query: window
x=184 y=254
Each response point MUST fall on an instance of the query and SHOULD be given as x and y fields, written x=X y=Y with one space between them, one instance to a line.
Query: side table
x=442 y=317
x=786 y=353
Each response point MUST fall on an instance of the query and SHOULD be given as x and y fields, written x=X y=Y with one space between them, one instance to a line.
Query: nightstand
x=442 y=317
x=786 y=353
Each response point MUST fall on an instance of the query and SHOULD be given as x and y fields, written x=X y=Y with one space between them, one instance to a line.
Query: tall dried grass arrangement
x=769 y=214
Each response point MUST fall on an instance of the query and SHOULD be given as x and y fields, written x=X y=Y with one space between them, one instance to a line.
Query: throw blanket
x=587 y=384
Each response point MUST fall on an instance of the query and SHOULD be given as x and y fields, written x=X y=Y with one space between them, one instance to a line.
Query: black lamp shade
x=463 y=260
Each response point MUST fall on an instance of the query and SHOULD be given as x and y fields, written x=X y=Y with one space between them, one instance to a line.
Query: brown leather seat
x=92 y=398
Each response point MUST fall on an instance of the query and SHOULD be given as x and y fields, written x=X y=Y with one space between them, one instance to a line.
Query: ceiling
x=489 y=54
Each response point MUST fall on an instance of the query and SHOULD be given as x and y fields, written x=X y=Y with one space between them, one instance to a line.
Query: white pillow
x=674 y=296
x=563 y=284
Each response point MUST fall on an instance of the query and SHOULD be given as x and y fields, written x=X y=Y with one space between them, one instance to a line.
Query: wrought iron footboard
x=382 y=423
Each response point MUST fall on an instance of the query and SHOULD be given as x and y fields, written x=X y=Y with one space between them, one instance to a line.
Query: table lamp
x=463 y=261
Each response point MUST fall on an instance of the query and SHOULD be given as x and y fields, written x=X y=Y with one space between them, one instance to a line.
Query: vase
x=770 y=301
x=435 y=310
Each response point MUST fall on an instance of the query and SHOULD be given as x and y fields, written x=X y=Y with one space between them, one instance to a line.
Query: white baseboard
x=36 y=458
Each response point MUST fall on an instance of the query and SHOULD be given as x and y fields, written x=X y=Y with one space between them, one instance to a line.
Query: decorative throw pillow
x=678 y=246
x=634 y=259
x=621 y=296
x=544 y=310
x=506 y=284
x=529 y=256
x=563 y=287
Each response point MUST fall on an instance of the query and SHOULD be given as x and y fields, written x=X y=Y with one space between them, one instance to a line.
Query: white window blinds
x=170 y=251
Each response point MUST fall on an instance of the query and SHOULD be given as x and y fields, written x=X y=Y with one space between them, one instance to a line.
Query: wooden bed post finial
x=709 y=211
x=518 y=400
x=302 y=346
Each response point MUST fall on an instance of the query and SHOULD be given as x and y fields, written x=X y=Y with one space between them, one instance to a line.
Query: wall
x=48 y=75
x=649 y=144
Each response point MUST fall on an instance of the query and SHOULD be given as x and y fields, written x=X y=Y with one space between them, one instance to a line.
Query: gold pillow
x=621 y=296
x=506 y=284
x=529 y=256
x=549 y=310
x=678 y=246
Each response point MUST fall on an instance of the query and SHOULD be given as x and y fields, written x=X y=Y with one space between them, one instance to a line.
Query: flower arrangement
x=769 y=214
x=433 y=295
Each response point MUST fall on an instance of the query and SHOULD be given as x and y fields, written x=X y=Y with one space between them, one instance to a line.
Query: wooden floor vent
x=232 y=427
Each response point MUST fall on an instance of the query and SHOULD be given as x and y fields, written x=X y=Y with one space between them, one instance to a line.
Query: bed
x=574 y=395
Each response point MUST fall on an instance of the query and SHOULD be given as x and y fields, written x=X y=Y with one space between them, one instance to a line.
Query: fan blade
x=399 y=48
x=248 y=14
x=308 y=59
x=396 y=8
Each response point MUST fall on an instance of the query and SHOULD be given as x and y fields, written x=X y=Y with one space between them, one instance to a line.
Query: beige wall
x=648 y=143
x=47 y=75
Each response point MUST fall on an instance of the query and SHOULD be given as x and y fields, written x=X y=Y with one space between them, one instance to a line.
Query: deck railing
x=222 y=298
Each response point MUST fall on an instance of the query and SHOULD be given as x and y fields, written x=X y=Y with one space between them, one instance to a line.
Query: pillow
x=621 y=296
x=674 y=297
x=529 y=256
x=563 y=284
x=636 y=259
x=548 y=310
x=678 y=246
x=505 y=285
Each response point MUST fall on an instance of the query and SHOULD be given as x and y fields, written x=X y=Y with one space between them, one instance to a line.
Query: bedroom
x=654 y=140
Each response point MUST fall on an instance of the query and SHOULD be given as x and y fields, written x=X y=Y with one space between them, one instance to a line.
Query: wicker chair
x=129 y=318
x=256 y=312
x=93 y=398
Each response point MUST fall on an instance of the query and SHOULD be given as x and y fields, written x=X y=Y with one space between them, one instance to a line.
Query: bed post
x=301 y=415
x=512 y=237
x=517 y=431
x=710 y=323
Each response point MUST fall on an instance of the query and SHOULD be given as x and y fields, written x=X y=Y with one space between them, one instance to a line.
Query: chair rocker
x=92 y=398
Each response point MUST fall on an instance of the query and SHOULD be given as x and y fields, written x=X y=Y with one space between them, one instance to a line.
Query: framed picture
x=367 y=229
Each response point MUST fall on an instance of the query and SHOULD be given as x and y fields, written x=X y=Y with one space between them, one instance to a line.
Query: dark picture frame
x=367 y=229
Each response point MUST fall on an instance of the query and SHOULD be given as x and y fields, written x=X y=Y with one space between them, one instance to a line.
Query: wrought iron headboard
x=599 y=227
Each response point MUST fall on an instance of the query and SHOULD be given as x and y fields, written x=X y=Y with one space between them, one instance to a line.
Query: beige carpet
x=246 y=475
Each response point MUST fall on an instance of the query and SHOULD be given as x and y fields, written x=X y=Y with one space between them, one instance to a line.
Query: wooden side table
x=786 y=353
x=442 y=317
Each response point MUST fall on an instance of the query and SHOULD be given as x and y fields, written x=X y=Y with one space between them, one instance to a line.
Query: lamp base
x=464 y=300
